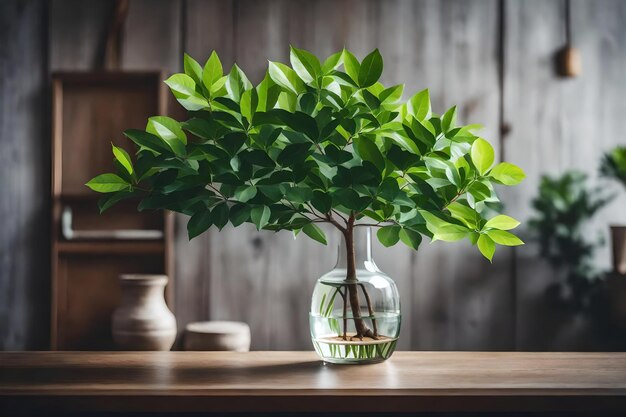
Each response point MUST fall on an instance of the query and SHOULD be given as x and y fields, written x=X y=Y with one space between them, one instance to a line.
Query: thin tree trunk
x=370 y=310
x=353 y=294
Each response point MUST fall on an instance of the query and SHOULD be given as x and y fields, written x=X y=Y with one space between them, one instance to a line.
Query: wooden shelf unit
x=90 y=111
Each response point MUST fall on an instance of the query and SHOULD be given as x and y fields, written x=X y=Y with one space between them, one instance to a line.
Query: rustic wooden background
x=493 y=58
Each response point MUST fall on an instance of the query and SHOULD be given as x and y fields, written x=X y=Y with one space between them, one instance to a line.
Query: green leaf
x=391 y=94
x=212 y=71
x=260 y=216
x=331 y=62
x=237 y=83
x=147 y=140
x=479 y=191
x=368 y=151
x=298 y=194
x=450 y=233
x=378 y=216
x=268 y=93
x=239 y=214
x=305 y=64
x=232 y=142
x=371 y=69
x=181 y=85
x=192 y=69
x=299 y=122
x=410 y=238
x=219 y=215
x=249 y=101
x=219 y=87
x=432 y=220
x=193 y=103
x=388 y=235
x=285 y=77
x=203 y=128
x=315 y=233
x=184 y=89
x=170 y=131
x=245 y=193
x=452 y=174
x=463 y=213
x=199 y=223
x=294 y=153
x=507 y=174
x=402 y=141
x=448 y=121
x=321 y=201
x=443 y=230
x=420 y=105
x=486 y=246
x=504 y=238
x=108 y=200
x=287 y=101
x=351 y=65
x=348 y=198
x=235 y=163
x=501 y=222
x=108 y=183
x=482 y=155
x=123 y=158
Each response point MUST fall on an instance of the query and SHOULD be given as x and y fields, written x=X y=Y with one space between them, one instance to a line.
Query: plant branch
x=459 y=194
x=379 y=224
x=217 y=191
x=339 y=214
x=334 y=222
x=312 y=210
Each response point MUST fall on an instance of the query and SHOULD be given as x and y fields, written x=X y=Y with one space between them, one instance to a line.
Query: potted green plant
x=564 y=207
x=319 y=143
x=613 y=166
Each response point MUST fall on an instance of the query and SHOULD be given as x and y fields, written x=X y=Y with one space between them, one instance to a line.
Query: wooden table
x=299 y=382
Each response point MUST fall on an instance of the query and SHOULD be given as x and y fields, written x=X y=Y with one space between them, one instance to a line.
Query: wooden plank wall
x=493 y=58
x=24 y=176
x=558 y=124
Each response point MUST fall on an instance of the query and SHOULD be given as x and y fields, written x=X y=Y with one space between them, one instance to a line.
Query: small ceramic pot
x=142 y=321
x=218 y=335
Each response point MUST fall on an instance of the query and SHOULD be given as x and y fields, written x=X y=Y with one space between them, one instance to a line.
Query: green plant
x=613 y=164
x=564 y=207
x=315 y=144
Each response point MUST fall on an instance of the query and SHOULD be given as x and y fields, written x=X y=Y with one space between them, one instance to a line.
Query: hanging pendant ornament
x=570 y=62
x=569 y=59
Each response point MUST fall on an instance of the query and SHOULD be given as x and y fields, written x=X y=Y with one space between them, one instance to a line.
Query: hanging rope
x=115 y=36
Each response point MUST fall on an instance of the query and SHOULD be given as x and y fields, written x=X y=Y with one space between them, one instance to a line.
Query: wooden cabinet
x=89 y=250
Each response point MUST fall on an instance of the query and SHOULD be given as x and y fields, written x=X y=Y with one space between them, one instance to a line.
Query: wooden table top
x=298 y=381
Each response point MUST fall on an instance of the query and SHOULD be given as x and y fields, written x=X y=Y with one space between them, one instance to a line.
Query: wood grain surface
x=298 y=381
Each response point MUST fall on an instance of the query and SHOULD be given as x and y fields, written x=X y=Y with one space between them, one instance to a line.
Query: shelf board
x=111 y=247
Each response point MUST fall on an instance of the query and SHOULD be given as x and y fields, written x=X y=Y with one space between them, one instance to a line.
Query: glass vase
x=355 y=320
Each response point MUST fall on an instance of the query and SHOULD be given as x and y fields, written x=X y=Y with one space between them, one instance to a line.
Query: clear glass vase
x=355 y=320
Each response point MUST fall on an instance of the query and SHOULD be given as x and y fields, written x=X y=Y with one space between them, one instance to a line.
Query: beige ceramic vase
x=142 y=321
